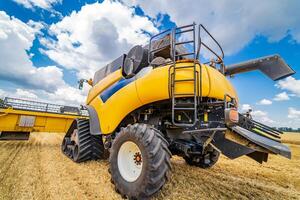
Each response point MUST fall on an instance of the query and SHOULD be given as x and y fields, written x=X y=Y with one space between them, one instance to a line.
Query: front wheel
x=139 y=161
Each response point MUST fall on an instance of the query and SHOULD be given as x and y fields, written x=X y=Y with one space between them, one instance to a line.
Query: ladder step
x=184 y=108
x=185 y=104
x=177 y=103
x=173 y=85
x=184 y=42
x=184 y=31
x=183 y=67
x=183 y=80
x=184 y=54
x=184 y=94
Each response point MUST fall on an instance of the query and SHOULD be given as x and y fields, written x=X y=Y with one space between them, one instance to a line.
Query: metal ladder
x=177 y=106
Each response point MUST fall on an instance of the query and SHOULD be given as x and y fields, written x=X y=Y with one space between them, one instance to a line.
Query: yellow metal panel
x=46 y=122
x=103 y=84
x=8 y=122
x=116 y=107
x=154 y=86
x=151 y=87
x=40 y=121
x=219 y=85
x=55 y=124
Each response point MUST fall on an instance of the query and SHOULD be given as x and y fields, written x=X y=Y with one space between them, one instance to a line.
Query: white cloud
x=98 y=33
x=20 y=93
x=262 y=116
x=290 y=84
x=234 y=24
x=44 y=4
x=293 y=113
x=283 y=96
x=258 y=115
x=2 y=94
x=245 y=108
x=265 y=102
x=16 y=39
x=25 y=94
x=66 y=95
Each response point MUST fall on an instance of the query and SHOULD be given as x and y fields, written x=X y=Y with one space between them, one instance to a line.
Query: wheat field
x=36 y=169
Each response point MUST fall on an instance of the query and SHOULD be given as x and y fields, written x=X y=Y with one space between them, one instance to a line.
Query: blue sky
x=47 y=45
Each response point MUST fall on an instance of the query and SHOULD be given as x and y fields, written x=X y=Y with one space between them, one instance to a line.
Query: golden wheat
x=36 y=169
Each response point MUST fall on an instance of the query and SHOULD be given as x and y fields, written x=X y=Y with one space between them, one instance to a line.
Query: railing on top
x=220 y=58
x=29 y=105
x=164 y=40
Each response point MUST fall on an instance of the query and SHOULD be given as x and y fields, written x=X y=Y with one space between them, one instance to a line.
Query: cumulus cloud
x=290 y=84
x=44 y=4
x=262 y=116
x=245 y=108
x=2 y=94
x=66 y=95
x=90 y=38
x=265 y=102
x=234 y=24
x=19 y=93
x=25 y=94
x=16 y=39
x=257 y=115
x=283 y=96
x=293 y=113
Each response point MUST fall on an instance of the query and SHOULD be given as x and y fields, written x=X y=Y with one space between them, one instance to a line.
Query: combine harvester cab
x=159 y=100
x=18 y=118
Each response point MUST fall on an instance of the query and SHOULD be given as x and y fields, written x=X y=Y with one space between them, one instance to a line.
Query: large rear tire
x=139 y=161
x=79 y=145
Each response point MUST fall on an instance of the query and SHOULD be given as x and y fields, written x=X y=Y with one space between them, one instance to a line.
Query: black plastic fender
x=94 y=121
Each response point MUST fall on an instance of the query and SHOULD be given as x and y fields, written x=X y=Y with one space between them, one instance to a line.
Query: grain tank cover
x=108 y=69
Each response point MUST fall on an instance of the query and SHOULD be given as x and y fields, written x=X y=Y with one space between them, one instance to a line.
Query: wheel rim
x=130 y=161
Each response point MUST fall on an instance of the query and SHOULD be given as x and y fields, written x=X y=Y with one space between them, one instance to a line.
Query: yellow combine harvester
x=20 y=117
x=159 y=100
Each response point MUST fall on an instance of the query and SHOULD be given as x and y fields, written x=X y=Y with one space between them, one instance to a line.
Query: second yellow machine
x=159 y=100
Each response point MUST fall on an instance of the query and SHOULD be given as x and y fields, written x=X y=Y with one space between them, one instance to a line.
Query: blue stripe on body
x=108 y=92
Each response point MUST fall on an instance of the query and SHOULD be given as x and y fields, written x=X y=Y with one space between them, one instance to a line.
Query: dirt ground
x=36 y=169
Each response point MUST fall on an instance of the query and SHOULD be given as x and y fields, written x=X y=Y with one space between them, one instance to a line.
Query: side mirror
x=80 y=84
x=81 y=81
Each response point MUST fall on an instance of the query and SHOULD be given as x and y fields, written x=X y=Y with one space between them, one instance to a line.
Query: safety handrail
x=169 y=32
x=199 y=37
x=150 y=43
x=201 y=43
